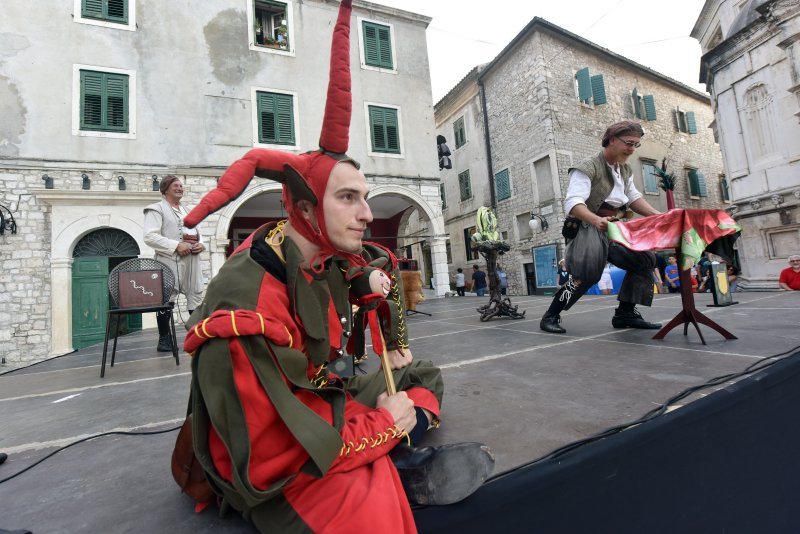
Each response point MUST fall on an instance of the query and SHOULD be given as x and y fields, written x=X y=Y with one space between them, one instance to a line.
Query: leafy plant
x=667 y=180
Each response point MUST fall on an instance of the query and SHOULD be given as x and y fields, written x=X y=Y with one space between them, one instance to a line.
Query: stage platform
x=507 y=384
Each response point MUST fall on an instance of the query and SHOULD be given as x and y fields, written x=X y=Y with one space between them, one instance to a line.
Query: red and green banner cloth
x=690 y=230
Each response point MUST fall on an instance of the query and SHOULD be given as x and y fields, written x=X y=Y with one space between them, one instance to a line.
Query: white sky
x=466 y=33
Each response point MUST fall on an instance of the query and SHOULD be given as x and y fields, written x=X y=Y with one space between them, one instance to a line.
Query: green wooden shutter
x=92 y=9
x=459 y=133
x=443 y=196
x=377 y=45
x=385 y=130
x=284 y=111
x=649 y=107
x=635 y=99
x=116 y=102
x=726 y=193
x=464 y=185
x=91 y=100
x=117 y=10
x=502 y=185
x=691 y=124
x=598 y=90
x=701 y=185
x=275 y=118
x=584 y=85
x=650 y=180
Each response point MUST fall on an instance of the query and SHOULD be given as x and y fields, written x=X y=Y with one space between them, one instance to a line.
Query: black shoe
x=164 y=343
x=551 y=323
x=442 y=475
x=632 y=319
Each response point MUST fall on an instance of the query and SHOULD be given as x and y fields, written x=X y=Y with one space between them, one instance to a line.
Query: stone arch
x=65 y=240
x=436 y=219
x=227 y=213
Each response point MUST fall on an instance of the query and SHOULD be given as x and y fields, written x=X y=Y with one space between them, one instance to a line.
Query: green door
x=89 y=300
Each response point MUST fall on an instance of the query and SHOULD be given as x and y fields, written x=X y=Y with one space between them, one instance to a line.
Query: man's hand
x=197 y=248
x=601 y=223
x=399 y=358
x=401 y=408
x=183 y=248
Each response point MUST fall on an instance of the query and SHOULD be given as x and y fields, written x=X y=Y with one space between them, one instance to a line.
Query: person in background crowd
x=503 y=279
x=790 y=277
x=478 y=281
x=732 y=272
x=672 y=275
x=563 y=274
x=460 y=282
x=606 y=285
x=178 y=247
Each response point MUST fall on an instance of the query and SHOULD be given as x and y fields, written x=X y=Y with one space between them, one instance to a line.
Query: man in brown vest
x=601 y=189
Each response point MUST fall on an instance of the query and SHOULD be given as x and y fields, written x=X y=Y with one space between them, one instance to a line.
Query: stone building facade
x=98 y=108
x=549 y=96
x=751 y=67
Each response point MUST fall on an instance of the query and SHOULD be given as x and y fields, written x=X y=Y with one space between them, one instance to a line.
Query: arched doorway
x=95 y=254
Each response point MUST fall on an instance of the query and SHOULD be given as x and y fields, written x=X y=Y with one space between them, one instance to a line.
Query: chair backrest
x=140 y=282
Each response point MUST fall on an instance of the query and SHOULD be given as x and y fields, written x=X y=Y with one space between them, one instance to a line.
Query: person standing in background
x=563 y=274
x=672 y=275
x=478 y=281
x=176 y=246
x=460 y=282
x=503 y=279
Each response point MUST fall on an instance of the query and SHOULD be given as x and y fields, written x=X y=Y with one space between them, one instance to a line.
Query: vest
x=599 y=173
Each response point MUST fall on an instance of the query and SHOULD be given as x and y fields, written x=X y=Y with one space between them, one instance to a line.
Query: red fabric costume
x=282 y=439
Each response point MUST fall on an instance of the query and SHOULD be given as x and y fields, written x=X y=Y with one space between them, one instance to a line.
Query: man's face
x=175 y=190
x=345 y=207
x=623 y=147
x=794 y=263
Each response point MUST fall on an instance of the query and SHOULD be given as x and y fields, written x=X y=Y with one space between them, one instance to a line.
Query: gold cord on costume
x=278 y=230
x=381 y=438
x=401 y=323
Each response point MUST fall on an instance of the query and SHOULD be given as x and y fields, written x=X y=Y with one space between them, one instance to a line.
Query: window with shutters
x=502 y=185
x=464 y=186
x=270 y=26
x=685 y=121
x=377 y=48
x=644 y=106
x=697 y=183
x=443 y=196
x=649 y=177
x=724 y=189
x=459 y=132
x=275 y=118
x=103 y=101
x=590 y=90
x=120 y=14
x=384 y=129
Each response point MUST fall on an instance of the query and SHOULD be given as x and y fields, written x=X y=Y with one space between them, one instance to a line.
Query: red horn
x=335 y=136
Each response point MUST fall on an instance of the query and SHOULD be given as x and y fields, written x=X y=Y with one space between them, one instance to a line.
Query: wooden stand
x=690 y=314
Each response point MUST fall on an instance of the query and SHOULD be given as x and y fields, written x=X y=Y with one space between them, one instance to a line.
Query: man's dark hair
x=475 y=267
x=622 y=128
x=460 y=270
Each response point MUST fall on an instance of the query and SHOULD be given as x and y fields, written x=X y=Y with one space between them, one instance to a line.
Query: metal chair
x=139 y=285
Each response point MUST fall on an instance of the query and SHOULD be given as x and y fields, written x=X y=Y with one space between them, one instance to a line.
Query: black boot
x=164 y=343
x=551 y=323
x=442 y=475
x=631 y=318
x=164 y=333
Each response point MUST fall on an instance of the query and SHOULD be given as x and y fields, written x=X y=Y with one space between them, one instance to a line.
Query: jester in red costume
x=282 y=439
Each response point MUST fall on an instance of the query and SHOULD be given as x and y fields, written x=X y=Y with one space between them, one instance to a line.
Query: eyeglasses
x=632 y=144
x=794 y=261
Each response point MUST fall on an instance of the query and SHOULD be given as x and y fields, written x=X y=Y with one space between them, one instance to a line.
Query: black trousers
x=637 y=286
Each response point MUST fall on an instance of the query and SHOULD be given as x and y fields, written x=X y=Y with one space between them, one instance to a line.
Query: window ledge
x=393 y=70
x=107 y=135
x=386 y=155
x=270 y=50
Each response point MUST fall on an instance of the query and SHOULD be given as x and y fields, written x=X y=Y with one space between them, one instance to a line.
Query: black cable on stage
x=111 y=433
x=758 y=365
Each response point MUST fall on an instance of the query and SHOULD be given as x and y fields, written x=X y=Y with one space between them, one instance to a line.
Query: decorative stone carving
x=755 y=205
x=776 y=199
x=796 y=193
